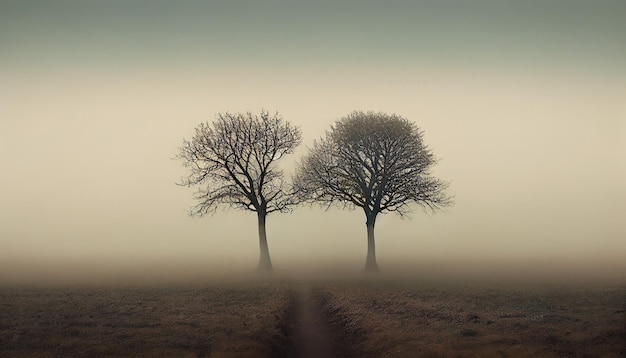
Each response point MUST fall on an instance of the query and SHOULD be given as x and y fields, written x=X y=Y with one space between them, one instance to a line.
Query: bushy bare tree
x=232 y=160
x=374 y=161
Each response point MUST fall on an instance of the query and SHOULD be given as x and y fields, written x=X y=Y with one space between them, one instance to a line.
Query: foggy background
x=523 y=103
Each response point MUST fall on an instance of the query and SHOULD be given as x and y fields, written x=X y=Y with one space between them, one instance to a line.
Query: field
x=149 y=322
x=341 y=318
x=394 y=320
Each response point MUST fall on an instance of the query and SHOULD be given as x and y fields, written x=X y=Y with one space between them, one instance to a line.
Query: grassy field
x=365 y=318
x=391 y=319
x=147 y=322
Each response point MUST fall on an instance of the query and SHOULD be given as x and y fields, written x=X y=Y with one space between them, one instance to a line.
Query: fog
x=523 y=106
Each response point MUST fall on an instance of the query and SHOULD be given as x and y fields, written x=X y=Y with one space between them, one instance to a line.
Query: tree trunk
x=370 y=262
x=265 y=264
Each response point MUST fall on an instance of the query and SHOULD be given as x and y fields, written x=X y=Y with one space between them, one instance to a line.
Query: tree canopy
x=232 y=160
x=375 y=161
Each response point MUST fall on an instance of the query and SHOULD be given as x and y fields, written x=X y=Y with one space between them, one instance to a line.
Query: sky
x=523 y=103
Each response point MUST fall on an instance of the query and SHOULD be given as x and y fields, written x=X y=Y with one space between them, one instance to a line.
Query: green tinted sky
x=279 y=33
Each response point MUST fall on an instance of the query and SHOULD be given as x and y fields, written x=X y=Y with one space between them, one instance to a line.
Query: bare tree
x=233 y=160
x=374 y=161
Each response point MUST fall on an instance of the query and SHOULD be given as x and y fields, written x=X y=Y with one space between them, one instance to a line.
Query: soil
x=312 y=336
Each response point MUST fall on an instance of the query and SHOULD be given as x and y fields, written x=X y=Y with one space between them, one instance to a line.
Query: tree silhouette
x=233 y=160
x=374 y=161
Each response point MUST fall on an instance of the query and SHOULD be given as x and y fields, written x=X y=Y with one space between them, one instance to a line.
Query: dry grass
x=183 y=322
x=368 y=318
x=392 y=320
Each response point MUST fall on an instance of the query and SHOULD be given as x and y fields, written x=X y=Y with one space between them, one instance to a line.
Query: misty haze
x=335 y=179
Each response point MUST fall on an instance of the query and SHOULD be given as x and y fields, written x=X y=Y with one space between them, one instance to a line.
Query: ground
x=332 y=318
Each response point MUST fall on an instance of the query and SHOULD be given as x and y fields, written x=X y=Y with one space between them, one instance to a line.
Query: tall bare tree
x=232 y=161
x=374 y=161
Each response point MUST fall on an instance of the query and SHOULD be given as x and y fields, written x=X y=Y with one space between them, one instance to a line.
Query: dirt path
x=313 y=338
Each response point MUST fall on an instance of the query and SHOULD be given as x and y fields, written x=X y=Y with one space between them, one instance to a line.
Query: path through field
x=313 y=337
x=338 y=319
